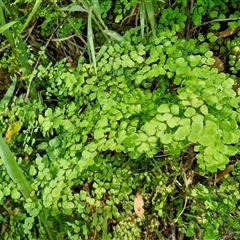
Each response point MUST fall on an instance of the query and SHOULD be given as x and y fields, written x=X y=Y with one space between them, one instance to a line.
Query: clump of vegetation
x=129 y=133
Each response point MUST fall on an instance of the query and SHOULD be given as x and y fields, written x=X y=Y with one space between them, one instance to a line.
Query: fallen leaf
x=237 y=85
x=12 y=131
x=228 y=32
x=223 y=173
x=218 y=64
x=138 y=205
x=190 y=176
x=86 y=187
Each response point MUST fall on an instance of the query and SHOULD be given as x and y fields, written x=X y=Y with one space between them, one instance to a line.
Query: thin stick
x=216 y=20
x=184 y=207
x=189 y=21
x=63 y=39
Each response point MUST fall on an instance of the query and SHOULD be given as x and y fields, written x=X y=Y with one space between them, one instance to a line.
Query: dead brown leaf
x=228 y=32
x=138 y=205
x=190 y=176
x=223 y=173
x=218 y=64
x=86 y=187
x=237 y=85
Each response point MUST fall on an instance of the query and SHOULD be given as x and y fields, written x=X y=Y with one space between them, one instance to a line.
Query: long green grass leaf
x=14 y=170
x=150 y=13
x=114 y=35
x=105 y=236
x=18 y=44
x=142 y=17
x=9 y=93
x=23 y=55
x=96 y=15
x=16 y=174
x=6 y=32
x=6 y=26
x=90 y=39
x=30 y=16
x=73 y=8
x=96 y=7
x=102 y=50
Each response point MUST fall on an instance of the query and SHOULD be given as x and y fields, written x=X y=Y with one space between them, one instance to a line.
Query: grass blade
x=34 y=10
x=150 y=13
x=6 y=26
x=9 y=93
x=19 y=44
x=90 y=39
x=14 y=170
x=142 y=17
x=16 y=174
x=23 y=55
x=96 y=7
x=105 y=236
x=73 y=8
x=102 y=50
x=7 y=32
x=114 y=35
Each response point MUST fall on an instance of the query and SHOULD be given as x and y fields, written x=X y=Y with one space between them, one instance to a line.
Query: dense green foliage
x=154 y=112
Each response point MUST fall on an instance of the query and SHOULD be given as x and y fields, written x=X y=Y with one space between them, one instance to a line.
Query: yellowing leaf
x=12 y=131
x=138 y=205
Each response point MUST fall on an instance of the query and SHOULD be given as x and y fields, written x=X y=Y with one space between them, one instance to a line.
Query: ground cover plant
x=119 y=120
